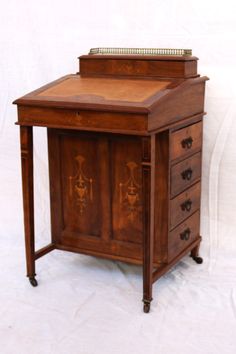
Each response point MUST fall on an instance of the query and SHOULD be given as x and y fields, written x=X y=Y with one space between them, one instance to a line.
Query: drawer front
x=183 y=235
x=83 y=120
x=185 y=173
x=184 y=205
x=186 y=141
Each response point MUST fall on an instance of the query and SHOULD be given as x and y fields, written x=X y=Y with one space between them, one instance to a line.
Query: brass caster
x=198 y=259
x=33 y=281
x=146 y=306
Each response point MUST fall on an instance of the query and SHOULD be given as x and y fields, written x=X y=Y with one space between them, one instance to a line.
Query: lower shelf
x=160 y=268
x=98 y=254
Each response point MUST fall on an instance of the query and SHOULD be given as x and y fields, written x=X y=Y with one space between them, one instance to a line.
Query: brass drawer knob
x=185 y=234
x=186 y=206
x=187 y=143
x=187 y=174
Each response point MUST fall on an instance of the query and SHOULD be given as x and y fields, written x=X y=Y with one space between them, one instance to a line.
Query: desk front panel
x=85 y=120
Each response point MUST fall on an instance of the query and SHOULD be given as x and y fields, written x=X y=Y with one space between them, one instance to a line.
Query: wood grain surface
x=124 y=148
x=105 y=89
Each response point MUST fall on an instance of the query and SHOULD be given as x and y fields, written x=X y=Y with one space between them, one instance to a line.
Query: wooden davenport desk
x=124 y=148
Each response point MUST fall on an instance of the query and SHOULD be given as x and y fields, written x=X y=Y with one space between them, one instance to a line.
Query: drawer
x=184 y=205
x=82 y=120
x=184 y=174
x=183 y=235
x=186 y=141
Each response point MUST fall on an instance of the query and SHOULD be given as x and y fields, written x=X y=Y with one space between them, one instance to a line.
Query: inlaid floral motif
x=129 y=192
x=81 y=185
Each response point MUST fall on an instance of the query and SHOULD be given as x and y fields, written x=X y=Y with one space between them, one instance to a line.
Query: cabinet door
x=126 y=155
x=96 y=193
x=78 y=174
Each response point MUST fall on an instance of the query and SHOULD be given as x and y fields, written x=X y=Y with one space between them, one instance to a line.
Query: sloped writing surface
x=102 y=89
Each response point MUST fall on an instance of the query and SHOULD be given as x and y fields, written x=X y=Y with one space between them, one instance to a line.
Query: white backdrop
x=84 y=305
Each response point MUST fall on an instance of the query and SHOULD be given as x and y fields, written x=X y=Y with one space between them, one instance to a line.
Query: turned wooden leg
x=26 y=141
x=148 y=174
x=195 y=254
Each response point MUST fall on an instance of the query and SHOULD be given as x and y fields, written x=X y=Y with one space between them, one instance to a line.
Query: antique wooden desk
x=124 y=148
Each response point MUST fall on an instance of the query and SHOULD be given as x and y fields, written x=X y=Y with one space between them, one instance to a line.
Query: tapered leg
x=148 y=174
x=195 y=254
x=26 y=140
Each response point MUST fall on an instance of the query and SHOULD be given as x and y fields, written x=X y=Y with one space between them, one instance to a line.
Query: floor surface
x=85 y=305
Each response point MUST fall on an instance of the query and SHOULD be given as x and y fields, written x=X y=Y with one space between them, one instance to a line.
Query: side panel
x=180 y=103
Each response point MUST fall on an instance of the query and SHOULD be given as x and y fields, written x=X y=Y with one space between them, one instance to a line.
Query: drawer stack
x=185 y=188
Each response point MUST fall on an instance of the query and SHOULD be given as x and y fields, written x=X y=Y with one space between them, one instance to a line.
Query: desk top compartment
x=143 y=87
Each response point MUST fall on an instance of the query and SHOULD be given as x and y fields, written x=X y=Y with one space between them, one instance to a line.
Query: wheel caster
x=198 y=260
x=33 y=281
x=146 y=307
